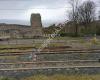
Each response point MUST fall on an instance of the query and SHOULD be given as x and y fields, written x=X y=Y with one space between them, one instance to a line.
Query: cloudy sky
x=19 y=11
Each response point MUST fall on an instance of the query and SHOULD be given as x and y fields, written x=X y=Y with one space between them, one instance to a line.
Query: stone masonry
x=17 y=31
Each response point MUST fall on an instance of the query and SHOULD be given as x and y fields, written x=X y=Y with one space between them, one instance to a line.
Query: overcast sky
x=19 y=11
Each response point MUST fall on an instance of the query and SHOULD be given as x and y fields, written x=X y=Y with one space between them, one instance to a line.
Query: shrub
x=67 y=34
x=6 y=78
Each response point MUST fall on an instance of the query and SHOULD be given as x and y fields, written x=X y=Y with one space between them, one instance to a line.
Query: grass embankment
x=57 y=77
x=23 y=48
x=64 y=77
x=64 y=41
x=15 y=48
x=9 y=57
x=81 y=42
x=19 y=48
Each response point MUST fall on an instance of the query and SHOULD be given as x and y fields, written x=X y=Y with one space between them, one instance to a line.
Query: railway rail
x=61 y=52
x=41 y=68
x=50 y=62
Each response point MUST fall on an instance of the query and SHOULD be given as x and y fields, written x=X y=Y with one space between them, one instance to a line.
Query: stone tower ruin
x=36 y=24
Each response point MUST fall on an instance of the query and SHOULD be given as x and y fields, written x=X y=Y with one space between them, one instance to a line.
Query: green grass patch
x=9 y=57
x=63 y=77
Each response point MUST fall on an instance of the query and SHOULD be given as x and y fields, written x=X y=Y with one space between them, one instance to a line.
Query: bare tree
x=99 y=15
x=98 y=10
x=86 y=13
x=73 y=15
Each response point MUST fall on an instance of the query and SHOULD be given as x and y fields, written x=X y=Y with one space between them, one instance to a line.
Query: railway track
x=42 y=68
x=50 y=62
x=15 y=53
x=61 y=52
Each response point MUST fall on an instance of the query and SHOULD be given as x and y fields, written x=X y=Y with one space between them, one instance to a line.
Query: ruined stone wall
x=15 y=30
x=36 y=24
